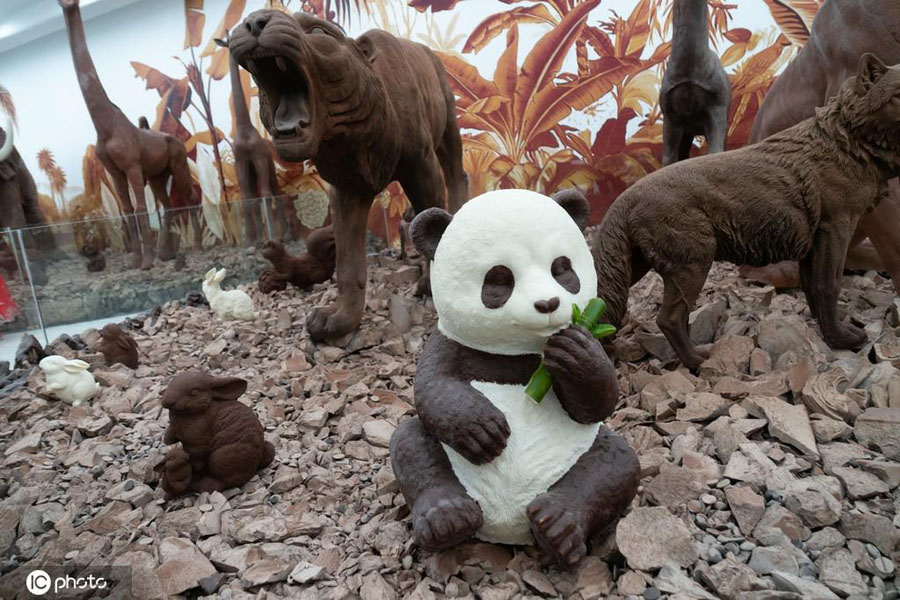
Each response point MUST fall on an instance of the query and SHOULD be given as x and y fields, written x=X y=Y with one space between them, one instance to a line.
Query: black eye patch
x=497 y=287
x=562 y=272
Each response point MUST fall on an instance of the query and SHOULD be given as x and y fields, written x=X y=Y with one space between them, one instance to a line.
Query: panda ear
x=574 y=203
x=427 y=229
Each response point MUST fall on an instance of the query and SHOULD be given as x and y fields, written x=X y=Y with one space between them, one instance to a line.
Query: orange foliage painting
x=550 y=93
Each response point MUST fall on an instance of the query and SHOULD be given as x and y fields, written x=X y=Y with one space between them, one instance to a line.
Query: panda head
x=507 y=268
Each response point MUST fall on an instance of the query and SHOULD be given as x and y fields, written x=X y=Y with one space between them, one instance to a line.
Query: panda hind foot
x=557 y=531
x=444 y=518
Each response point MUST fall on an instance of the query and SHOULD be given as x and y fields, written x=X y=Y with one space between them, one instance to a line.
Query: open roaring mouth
x=287 y=90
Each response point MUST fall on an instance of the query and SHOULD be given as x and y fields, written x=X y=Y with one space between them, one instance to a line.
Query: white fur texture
x=69 y=380
x=543 y=445
x=526 y=232
x=233 y=304
x=7 y=148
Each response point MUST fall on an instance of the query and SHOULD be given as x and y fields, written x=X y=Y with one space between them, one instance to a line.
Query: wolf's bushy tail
x=612 y=251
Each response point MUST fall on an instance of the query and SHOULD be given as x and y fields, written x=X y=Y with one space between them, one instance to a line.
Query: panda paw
x=573 y=354
x=442 y=519
x=557 y=531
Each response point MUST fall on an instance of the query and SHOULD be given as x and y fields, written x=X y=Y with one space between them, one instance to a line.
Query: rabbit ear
x=209 y=275
x=74 y=366
x=220 y=276
x=228 y=388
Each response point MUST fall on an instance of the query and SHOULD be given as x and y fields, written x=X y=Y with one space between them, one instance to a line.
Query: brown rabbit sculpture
x=313 y=266
x=118 y=347
x=223 y=438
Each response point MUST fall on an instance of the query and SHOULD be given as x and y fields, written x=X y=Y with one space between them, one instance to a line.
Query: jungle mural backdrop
x=550 y=94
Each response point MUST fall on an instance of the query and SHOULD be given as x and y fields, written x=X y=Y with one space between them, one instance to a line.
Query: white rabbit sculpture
x=233 y=304
x=69 y=380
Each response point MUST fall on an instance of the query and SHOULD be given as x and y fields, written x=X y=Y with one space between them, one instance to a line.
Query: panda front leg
x=596 y=490
x=443 y=514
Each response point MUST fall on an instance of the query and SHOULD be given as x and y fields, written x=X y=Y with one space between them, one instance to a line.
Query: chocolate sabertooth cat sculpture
x=222 y=439
x=366 y=111
x=482 y=458
x=796 y=195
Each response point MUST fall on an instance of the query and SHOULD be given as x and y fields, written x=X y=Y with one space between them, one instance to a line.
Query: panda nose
x=547 y=306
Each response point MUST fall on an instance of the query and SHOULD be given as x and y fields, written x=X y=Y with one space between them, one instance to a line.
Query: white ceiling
x=22 y=21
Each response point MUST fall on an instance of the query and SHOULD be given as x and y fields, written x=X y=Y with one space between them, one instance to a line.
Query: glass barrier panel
x=109 y=268
x=19 y=314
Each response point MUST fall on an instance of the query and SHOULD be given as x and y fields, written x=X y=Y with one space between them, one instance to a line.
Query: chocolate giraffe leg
x=443 y=514
x=586 y=499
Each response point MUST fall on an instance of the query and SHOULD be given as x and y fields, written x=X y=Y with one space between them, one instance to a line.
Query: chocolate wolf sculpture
x=482 y=458
x=796 y=195
x=695 y=92
x=842 y=31
x=366 y=111
x=222 y=437
x=132 y=156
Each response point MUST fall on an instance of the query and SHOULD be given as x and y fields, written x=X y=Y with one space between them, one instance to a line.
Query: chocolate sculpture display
x=118 y=347
x=842 y=31
x=796 y=195
x=367 y=111
x=252 y=162
x=481 y=458
x=313 y=266
x=132 y=156
x=223 y=439
x=19 y=205
x=695 y=92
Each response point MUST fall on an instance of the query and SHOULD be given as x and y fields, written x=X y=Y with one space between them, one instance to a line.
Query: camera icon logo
x=38 y=582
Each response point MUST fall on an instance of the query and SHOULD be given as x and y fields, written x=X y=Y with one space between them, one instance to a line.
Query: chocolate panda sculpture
x=482 y=458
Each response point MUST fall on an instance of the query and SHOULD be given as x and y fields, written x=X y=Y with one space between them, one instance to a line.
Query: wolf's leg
x=881 y=226
x=821 y=272
x=443 y=514
x=586 y=499
x=682 y=285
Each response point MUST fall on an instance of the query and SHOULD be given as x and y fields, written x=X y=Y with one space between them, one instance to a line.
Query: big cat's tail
x=612 y=251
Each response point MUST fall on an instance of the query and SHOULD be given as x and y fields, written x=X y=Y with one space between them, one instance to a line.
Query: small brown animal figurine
x=222 y=437
x=313 y=266
x=118 y=347
x=797 y=195
x=176 y=473
x=96 y=262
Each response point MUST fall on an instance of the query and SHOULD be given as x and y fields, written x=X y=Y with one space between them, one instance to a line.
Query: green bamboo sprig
x=541 y=381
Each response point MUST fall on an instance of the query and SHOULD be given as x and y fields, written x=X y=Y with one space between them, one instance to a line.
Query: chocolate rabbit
x=313 y=266
x=222 y=437
x=118 y=347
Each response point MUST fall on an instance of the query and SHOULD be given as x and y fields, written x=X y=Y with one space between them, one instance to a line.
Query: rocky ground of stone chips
x=772 y=473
